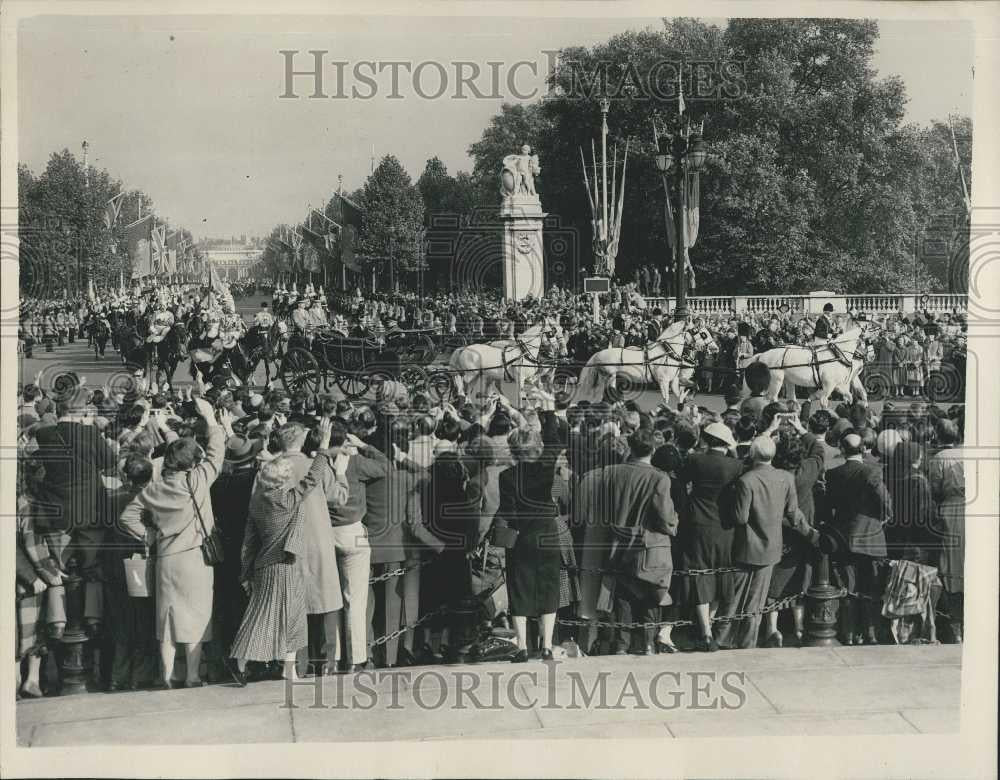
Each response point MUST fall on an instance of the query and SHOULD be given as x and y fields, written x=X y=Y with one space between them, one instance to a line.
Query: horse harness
x=670 y=352
x=838 y=357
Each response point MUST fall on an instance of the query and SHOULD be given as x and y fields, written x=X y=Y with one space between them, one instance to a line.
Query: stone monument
x=522 y=215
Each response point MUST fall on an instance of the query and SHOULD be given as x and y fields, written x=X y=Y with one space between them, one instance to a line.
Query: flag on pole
x=139 y=240
x=91 y=292
x=112 y=210
x=159 y=249
x=350 y=215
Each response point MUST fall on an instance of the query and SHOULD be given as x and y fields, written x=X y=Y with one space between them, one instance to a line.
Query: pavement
x=878 y=690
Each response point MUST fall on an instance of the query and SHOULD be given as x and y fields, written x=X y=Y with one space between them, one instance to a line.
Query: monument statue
x=518 y=174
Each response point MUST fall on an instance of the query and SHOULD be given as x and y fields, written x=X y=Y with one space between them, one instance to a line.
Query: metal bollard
x=822 y=605
x=71 y=653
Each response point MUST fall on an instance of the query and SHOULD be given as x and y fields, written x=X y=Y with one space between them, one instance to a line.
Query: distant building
x=233 y=260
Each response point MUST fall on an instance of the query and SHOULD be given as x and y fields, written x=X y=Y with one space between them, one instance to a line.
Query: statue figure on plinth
x=518 y=175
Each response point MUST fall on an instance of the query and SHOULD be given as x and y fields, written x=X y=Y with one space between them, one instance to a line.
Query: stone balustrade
x=813 y=303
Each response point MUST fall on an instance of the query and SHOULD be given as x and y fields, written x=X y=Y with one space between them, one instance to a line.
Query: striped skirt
x=274 y=624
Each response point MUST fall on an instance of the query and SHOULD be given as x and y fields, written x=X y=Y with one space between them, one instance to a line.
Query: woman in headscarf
x=527 y=506
x=274 y=626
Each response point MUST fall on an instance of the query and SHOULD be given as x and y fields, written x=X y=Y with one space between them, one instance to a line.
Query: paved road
x=821 y=691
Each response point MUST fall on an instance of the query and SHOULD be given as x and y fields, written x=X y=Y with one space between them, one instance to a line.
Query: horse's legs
x=859 y=388
x=823 y=394
x=668 y=386
x=777 y=381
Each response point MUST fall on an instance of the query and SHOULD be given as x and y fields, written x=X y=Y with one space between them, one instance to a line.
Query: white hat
x=721 y=432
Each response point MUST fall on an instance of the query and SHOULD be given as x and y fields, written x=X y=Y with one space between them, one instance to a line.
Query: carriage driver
x=825 y=332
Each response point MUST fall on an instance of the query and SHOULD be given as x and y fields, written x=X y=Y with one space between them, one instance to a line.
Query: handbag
x=139 y=575
x=211 y=545
x=504 y=536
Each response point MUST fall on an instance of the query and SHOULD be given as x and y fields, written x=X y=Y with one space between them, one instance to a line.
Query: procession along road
x=79 y=357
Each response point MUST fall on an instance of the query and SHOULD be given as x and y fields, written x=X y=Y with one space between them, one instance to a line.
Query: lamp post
x=682 y=155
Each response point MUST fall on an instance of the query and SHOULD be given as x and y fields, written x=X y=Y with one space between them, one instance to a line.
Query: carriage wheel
x=415 y=379
x=440 y=386
x=353 y=385
x=300 y=371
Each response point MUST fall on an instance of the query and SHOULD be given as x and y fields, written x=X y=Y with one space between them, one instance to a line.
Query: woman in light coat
x=166 y=509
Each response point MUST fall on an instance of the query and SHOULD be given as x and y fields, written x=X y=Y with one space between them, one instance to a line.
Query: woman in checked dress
x=274 y=625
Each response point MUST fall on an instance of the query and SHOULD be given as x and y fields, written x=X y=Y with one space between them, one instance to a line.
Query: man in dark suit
x=74 y=455
x=765 y=499
x=860 y=507
x=629 y=518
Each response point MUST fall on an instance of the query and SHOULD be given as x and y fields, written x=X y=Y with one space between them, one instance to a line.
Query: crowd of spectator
x=340 y=523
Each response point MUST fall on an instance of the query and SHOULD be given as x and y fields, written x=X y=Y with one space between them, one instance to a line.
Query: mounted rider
x=160 y=322
x=824 y=333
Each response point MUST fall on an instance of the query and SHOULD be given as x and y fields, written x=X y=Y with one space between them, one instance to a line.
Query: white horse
x=818 y=367
x=658 y=361
x=488 y=365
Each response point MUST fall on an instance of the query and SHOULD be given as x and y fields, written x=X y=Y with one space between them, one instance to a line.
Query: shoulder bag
x=211 y=545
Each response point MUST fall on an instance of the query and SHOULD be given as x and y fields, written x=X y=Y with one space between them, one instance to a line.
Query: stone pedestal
x=523 y=263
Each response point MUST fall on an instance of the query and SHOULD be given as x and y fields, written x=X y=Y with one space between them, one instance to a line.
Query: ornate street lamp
x=679 y=157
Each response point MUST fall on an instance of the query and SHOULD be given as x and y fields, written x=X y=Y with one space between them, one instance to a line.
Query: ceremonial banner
x=111 y=211
x=347 y=248
x=172 y=243
x=310 y=258
x=139 y=240
x=350 y=216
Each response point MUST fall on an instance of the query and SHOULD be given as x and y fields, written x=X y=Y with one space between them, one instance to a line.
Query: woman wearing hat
x=274 y=626
x=177 y=511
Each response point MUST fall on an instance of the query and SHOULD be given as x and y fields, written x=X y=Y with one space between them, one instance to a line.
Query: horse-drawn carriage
x=356 y=363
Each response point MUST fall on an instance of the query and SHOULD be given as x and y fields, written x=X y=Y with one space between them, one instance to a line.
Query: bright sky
x=187 y=108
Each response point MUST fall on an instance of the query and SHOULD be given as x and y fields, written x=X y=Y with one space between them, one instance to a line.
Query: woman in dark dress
x=705 y=541
x=526 y=506
x=451 y=506
x=803 y=455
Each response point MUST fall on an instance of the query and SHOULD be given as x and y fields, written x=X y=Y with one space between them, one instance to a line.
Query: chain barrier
x=676 y=573
x=399 y=572
x=776 y=606
x=408 y=627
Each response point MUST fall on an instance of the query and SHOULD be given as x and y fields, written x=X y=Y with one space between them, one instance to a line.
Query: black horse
x=167 y=354
x=132 y=346
x=262 y=344
x=98 y=333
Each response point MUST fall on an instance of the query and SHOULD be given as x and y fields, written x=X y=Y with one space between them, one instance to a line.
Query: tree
x=817 y=183
x=392 y=232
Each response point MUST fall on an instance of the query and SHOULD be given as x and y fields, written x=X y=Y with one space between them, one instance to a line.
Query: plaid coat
x=34 y=560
